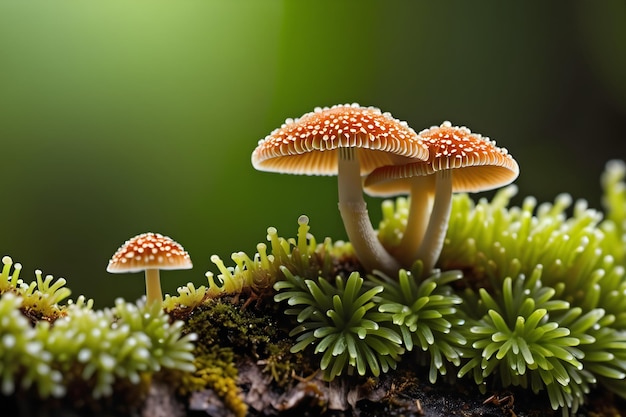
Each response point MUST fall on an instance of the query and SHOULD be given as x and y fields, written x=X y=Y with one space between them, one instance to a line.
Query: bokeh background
x=120 y=117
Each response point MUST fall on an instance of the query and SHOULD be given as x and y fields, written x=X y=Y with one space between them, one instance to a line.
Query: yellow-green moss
x=221 y=322
x=230 y=332
x=74 y=348
x=216 y=370
x=40 y=298
x=540 y=303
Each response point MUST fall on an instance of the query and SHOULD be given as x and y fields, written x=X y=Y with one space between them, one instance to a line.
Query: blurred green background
x=120 y=117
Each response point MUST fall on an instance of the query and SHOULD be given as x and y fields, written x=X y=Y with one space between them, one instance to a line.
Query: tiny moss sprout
x=302 y=256
x=23 y=357
x=40 y=298
x=189 y=297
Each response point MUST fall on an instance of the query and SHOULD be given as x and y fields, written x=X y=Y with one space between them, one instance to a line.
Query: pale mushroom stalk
x=419 y=209
x=431 y=246
x=153 y=286
x=353 y=208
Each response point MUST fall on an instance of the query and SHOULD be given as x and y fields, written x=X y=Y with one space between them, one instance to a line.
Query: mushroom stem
x=368 y=249
x=153 y=286
x=431 y=246
x=417 y=220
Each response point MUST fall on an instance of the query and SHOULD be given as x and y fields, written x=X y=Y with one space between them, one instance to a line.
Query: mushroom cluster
x=349 y=141
x=367 y=148
x=459 y=161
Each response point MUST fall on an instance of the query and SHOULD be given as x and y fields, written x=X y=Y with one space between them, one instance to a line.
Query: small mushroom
x=149 y=252
x=459 y=161
x=348 y=141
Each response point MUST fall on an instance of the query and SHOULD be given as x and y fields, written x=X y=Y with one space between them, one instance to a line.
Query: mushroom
x=348 y=141
x=459 y=161
x=149 y=252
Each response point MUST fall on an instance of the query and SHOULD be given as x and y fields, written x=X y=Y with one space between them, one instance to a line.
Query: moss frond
x=9 y=281
x=91 y=348
x=531 y=296
x=189 y=297
x=425 y=313
x=614 y=201
x=169 y=348
x=493 y=241
x=605 y=354
x=515 y=337
x=339 y=319
x=24 y=359
x=544 y=288
x=40 y=298
x=118 y=343
x=526 y=337
x=489 y=241
x=302 y=256
x=393 y=223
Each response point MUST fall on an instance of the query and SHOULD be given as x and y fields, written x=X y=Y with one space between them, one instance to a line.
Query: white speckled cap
x=149 y=251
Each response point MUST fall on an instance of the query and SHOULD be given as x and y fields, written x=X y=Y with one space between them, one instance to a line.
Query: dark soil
x=400 y=393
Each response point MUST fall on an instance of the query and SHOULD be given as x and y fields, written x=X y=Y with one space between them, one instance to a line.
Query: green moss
x=531 y=296
x=538 y=299
x=282 y=364
x=189 y=297
x=40 y=298
x=614 y=226
x=231 y=331
x=23 y=357
x=221 y=322
x=74 y=348
x=303 y=256
x=526 y=338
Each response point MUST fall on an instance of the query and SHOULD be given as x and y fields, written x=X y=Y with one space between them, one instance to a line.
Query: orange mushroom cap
x=149 y=251
x=300 y=146
x=478 y=164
